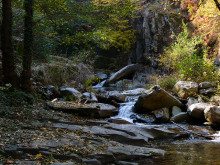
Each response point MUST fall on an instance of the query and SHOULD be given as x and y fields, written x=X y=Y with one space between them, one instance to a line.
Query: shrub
x=188 y=57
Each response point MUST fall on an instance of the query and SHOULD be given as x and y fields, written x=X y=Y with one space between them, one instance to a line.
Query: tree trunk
x=8 y=64
x=26 y=82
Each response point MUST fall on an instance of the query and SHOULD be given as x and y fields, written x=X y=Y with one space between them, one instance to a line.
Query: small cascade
x=126 y=109
x=217 y=137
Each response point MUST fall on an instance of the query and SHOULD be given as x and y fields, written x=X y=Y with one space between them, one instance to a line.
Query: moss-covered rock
x=61 y=72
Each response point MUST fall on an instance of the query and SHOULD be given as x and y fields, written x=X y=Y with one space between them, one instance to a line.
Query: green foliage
x=88 y=84
x=188 y=58
x=167 y=82
x=14 y=98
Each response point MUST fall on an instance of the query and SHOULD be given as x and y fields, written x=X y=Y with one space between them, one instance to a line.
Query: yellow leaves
x=38 y=155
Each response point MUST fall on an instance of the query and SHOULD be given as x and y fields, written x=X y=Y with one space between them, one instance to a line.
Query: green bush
x=188 y=57
x=14 y=98
x=167 y=83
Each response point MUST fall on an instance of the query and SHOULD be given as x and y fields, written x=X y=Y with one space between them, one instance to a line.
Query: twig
x=191 y=132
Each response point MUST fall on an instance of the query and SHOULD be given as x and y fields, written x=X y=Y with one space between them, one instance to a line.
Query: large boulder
x=61 y=71
x=185 y=89
x=197 y=110
x=70 y=93
x=155 y=98
x=119 y=75
x=212 y=114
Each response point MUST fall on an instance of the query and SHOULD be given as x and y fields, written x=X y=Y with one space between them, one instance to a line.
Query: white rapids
x=217 y=137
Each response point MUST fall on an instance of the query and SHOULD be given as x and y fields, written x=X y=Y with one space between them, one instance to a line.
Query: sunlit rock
x=127 y=70
x=185 y=89
x=197 y=110
x=212 y=114
x=155 y=98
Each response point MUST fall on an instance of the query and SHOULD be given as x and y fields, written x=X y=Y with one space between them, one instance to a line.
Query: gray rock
x=119 y=75
x=191 y=101
x=143 y=118
x=205 y=85
x=185 y=89
x=132 y=134
x=180 y=117
x=95 y=110
x=70 y=93
x=119 y=121
x=106 y=110
x=155 y=98
x=197 y=110
x=89 y=97
x=176 y=110
x=91 y=161
x=101 y=75
x=208 y=91
x=212 y=114
x=162 y=115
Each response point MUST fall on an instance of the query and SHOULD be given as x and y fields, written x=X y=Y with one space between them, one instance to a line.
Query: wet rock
x=162 y=115
x=205 y=85
x=154 y=99
x=185 y=89
x=132 y=134
x=197 y=110
x=119 y=121
x=89 y=97
x=129 y=152
x=212 y=114
x=176 y=110
x=180 y=117
x=127 y=70
x=143 y=118
x=208 y=91
x=70 y=93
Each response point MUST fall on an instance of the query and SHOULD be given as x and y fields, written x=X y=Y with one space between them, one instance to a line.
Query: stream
x=193 y=150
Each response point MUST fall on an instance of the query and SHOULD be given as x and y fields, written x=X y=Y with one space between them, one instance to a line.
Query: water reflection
x=190 y=152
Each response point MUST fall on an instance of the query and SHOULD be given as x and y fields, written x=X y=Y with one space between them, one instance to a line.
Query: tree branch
x=217 y=4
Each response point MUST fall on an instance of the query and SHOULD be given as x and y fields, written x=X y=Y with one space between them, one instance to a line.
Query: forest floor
x=24 y=129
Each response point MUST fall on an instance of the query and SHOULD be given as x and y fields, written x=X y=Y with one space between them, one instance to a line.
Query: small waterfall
x=217 y=136
x=126 y=109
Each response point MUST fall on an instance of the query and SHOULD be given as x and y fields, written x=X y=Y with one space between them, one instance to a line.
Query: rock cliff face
x=154 y=29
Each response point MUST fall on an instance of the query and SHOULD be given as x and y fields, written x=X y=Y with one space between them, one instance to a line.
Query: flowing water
x=192 y=151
